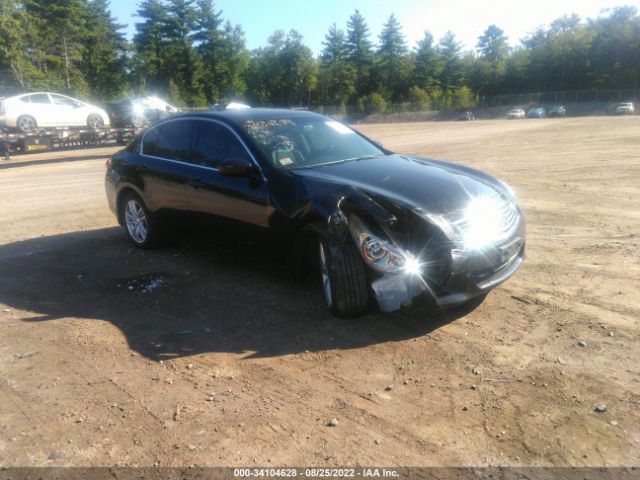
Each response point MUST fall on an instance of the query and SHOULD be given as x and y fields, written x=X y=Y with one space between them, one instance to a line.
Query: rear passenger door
x=242 y=198
x=164 y=170
x=39 y=106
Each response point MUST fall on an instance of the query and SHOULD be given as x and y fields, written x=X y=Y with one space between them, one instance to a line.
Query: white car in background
x=516 y=113
x=30 y=111
x=625 y=108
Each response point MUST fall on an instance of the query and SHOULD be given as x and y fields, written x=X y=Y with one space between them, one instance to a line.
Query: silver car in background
x=515 y=113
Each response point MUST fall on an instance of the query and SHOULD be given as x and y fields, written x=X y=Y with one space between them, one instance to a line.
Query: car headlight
x=486 y=219
x=382 y=255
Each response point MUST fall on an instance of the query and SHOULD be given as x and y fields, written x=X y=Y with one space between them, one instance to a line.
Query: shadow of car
x=194 y=297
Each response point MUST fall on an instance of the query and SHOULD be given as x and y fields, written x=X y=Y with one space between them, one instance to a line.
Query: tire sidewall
x=151 y=237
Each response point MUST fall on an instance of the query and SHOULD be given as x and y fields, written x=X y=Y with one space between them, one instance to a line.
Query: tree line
x=185 y=51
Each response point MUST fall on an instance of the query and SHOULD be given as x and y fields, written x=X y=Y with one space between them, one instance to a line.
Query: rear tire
x=344 y=279
x=26 y=124
x=141 y=225
x=95 y=121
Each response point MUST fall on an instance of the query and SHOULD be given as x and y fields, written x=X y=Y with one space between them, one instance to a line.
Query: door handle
x=196 y=183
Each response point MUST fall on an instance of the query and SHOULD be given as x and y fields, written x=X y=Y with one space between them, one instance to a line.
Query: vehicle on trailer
x=466 y=116
x=515 y=113
x=139 y=112
x=625 y=108
x=30 y=111
x=382 y=228
x=537 y=112
x=557 y=111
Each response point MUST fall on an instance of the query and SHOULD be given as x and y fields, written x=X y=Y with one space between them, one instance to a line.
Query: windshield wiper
x=364 y=157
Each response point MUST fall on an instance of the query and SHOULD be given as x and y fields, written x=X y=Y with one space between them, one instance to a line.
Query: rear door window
x=174 y=140
x=37 y=98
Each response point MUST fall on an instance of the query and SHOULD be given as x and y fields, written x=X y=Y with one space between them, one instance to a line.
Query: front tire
x=140 y=224
x=344 y=279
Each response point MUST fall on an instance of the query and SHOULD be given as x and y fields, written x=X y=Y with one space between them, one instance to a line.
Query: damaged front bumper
x=471 y=274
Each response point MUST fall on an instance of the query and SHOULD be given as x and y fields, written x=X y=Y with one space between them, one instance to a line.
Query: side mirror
x=235 y=167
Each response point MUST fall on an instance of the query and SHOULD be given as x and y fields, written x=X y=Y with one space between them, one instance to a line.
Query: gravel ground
x=193 y=355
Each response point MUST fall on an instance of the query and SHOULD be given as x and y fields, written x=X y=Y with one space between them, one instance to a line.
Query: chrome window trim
x=183 y=162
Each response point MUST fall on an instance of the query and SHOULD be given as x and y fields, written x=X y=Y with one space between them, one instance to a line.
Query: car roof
x=239 y=117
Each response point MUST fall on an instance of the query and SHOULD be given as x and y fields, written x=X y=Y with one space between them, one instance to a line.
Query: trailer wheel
x=95 y=121
x=26 y=124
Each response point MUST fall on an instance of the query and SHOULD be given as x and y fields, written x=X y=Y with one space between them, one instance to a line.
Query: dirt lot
x=226 y=361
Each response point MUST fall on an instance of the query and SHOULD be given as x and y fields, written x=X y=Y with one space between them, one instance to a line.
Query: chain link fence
x=456 y=104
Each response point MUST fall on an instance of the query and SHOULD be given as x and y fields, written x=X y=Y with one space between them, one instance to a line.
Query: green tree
x=12 y=46
x=359 y=51
x=151 y=47
x=392 y=67
x=615 y=49
x=427 y=64
x=486 y=73
x=232 y=82
x=184 y=62
x=103 y=52
x=57 y=29
x=283 y=73
x=336 y=77
x=452 y=73
x=211 y=48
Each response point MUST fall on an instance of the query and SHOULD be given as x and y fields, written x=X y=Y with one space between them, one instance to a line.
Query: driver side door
x=243 y=198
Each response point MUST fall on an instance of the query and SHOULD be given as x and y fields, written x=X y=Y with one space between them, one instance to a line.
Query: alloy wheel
x=26 y=124
x=136 y=221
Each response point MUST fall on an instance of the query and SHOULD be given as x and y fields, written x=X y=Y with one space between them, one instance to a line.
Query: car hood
x=410 y=182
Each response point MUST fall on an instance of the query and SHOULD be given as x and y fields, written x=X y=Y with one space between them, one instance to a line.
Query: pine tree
x=103 y=54
x=427 y=64
x=150 y=43
x=487 y=72
x=185 y=65
x=57 y=28
x=359 y=52
x=392 y=66
x=336 y=78
x=211 y=48
x=452 y=74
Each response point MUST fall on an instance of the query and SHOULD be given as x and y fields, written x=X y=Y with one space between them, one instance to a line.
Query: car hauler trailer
x=47 y=139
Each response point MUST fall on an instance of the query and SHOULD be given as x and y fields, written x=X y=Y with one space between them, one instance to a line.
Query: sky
x=467 y=19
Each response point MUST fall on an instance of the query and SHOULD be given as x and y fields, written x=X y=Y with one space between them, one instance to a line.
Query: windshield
x=303 y=143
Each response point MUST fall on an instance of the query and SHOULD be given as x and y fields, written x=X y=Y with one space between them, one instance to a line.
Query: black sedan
x=381 y=228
